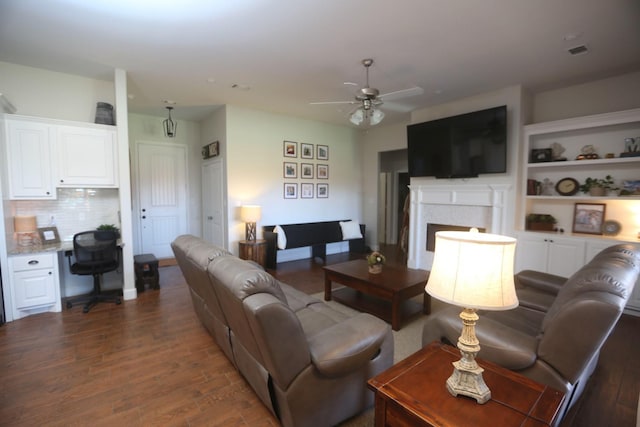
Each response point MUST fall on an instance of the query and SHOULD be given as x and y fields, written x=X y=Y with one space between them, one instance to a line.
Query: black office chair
x=95 y=252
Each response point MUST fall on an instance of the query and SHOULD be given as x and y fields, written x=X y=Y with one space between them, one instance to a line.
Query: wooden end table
x=254 y=250
x=385 y=295
x=413 y=393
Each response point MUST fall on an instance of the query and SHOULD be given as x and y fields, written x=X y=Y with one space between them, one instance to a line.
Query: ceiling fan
x=369 y=100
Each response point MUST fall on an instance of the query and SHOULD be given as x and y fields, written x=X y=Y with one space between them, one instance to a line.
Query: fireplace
x=437 y=207
x=432 y=229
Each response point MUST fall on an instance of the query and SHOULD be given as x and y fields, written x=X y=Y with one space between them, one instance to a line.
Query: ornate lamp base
x=250 y=231
x=467 y=375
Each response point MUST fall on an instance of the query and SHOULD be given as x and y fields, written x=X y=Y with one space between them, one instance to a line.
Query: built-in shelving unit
x=564 y=252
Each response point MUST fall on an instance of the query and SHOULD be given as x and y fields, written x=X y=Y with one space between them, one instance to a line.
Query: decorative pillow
x=350 y=230
x=282 y=238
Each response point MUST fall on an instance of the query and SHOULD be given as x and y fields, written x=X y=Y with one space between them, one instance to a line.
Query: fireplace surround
x=450 y=205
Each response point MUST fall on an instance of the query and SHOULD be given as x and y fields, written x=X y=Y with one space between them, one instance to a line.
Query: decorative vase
x=597 y=191
x=375 y=268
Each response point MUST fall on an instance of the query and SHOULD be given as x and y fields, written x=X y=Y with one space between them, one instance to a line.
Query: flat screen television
x=461 y=146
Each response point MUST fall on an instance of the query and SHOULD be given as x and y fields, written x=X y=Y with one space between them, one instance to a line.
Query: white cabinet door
x=565 y=256
x=531 y=253
x=30 y=169
x=34 y=288
x=549 y=253
x=86 y=157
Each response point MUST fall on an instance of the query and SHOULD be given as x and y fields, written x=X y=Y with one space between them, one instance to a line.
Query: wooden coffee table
x=385 y=295
x=413 y=393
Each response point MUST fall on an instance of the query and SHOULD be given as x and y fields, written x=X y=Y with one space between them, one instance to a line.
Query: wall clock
x=567 y=187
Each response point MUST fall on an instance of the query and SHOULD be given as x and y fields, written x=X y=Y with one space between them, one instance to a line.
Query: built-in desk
x=39 y=278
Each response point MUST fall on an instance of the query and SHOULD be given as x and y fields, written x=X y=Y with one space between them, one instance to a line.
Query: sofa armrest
x=345 y=346
x=544 y=282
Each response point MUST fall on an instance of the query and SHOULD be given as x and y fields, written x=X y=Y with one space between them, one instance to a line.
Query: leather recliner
x=308 y=363
x=555 y=335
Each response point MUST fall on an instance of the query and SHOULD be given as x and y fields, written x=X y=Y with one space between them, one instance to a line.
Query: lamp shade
x=25 y=224
x=250 y=213
x=473 y=270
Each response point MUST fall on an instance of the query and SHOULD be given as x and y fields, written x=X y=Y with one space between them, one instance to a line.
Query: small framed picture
x=540 y=155
x=290 y=170
x=211 y=150
x=322 y=171
x=322 y=191
x=323 y=152
x=306 y=170
x=49 y=235
x=306 y=151
x=306 y=190
x=290 y=149
x=588 y=218
x=290 y=190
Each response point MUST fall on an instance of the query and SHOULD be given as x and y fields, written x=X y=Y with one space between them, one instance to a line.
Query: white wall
x=376 y=140
x=42 y=93
x=144 y=128
x=254 y=160
x=599 y=96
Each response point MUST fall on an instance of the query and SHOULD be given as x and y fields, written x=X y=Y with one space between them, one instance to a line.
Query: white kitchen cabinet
x=86 y=157
x=34 y=283
x=28 y=148
x=550 y=253
x=43 y=154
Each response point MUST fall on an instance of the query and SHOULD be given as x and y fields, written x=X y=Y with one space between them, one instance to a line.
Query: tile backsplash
x=75 y=210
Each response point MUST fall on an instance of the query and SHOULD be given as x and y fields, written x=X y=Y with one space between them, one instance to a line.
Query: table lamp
x=25 y=227
x=250 y=214
x=474 y=271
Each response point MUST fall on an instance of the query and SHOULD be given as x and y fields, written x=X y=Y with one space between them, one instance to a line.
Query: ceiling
x=280 y=55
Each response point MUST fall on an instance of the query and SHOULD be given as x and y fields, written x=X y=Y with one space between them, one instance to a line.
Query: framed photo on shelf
x=322 y=191
x=290 y=149
x=322 y=171
x=290 y=170
x=306 y=190
x=588 y=218
x=540 y=155
x=48 y=235
x=306 y=170
x=323 y=152
x=306 y=151
x=290 y=190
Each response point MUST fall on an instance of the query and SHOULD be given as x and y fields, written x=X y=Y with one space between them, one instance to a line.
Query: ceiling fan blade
x=333 y=102
x=413 y=91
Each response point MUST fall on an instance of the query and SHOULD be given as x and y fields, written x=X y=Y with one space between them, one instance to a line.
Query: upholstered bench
x=313 y=234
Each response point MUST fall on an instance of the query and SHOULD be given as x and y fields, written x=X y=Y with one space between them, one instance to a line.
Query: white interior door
x=213 y=206
x=162 y=196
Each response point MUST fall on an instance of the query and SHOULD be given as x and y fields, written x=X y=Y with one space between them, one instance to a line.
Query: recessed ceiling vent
x=578 y=50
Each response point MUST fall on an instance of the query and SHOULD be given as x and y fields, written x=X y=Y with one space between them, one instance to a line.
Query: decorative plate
x=611 y=228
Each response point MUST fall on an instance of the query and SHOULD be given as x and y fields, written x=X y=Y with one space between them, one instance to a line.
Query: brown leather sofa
x=307 y=363
x=556 y=333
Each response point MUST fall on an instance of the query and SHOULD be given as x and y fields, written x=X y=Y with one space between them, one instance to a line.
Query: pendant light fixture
x=170 y=127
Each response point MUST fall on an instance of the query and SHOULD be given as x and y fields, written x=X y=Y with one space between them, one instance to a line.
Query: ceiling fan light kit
x=369 y=100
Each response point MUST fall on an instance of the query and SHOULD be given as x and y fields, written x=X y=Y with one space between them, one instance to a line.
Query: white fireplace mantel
x=477 y=205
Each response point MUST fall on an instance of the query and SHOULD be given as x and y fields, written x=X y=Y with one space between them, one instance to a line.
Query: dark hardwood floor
x=150 y=362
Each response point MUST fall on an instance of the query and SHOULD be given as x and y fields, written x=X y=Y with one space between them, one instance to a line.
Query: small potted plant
x=109 y=228
x=598 y=187
x=540 y=222
x=375 y=260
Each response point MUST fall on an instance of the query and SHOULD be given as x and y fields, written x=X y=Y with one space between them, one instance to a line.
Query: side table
x=254 y=250
x=413 y=393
